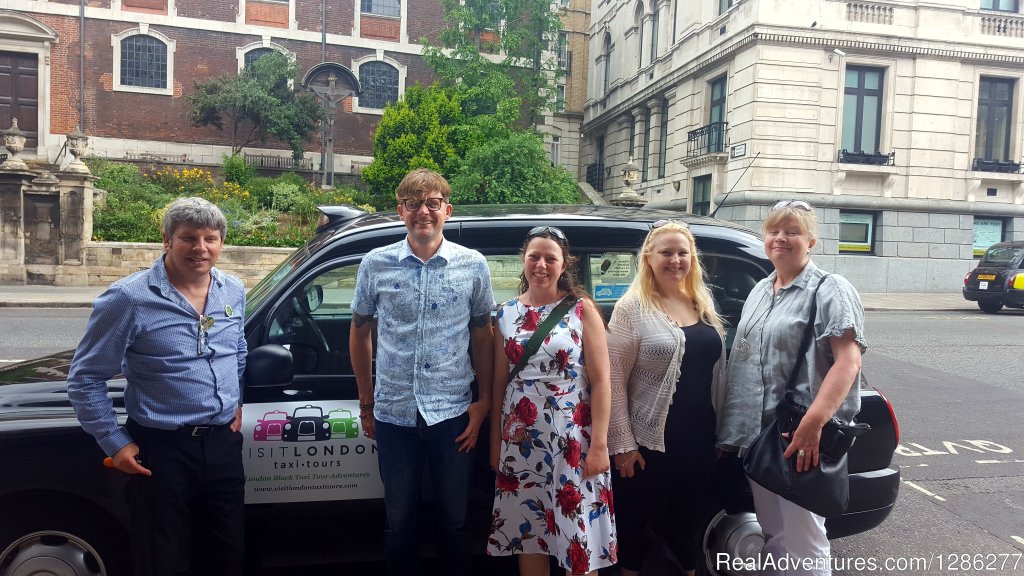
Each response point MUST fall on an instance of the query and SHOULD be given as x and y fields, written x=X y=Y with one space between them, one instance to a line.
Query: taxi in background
x=999 y=278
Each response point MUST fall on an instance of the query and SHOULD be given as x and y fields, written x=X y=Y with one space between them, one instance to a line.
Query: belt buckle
x=201 y=430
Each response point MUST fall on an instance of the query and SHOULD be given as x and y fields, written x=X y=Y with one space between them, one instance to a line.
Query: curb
x=50 y=304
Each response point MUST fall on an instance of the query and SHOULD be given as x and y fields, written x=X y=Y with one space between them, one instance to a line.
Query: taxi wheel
x=990 y=307
x=61 y=545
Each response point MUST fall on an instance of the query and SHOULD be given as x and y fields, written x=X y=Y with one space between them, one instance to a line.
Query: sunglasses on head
x=798 y=204
x=433 y=204
x=663 y=222
x=547 y=230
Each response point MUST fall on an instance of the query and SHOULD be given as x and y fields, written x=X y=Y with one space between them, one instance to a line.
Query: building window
x=647 y=146
x=987 y=231
x=560 y=98
x=379 y=83
x=663 y=143
x=607 y=77
x=724 y=5
x=702 y=195
x=862 y=110
x=716 y=142
x=655 y=29
x=563 y=50
x=1001 y=5
x=143 y=62
x=856 y=232
x=255 y=54
x=556 y=153
x=992 y=142
x=391 y=8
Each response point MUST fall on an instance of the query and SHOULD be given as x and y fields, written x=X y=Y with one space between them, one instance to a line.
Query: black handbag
x=824 y=489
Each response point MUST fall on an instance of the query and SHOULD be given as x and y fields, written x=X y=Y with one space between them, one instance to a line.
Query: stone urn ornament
x=14 y=141
x=77 y=143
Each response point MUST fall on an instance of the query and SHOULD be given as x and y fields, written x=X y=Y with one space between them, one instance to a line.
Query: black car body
x=998 y=279
x=59 y=499
x=306 y=424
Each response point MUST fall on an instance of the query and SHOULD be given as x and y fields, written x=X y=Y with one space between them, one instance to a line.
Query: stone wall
x=106 y=262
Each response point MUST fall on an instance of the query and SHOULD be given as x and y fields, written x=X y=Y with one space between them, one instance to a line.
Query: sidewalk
x=69 y=297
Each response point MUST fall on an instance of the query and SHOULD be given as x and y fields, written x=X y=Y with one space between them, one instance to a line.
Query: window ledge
x=363 y=110
x=865 y=168
x=996 y=176
x=145 y=90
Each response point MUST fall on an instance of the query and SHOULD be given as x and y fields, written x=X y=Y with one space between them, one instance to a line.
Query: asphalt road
x=955 y=381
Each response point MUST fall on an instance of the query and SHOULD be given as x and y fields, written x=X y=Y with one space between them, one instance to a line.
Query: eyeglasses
x=433 y=204
x=203 y=340
x=663 y=222
x=798 y=204
x=547 y=230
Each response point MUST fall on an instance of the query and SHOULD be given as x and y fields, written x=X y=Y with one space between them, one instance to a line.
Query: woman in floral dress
x=549 y=425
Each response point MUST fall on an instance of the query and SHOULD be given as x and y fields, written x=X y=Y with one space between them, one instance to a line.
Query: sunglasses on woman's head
x=547 y=230
x=798 y=204
x=663 y=222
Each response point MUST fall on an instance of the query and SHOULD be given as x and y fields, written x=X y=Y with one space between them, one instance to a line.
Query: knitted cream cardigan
x=645 y=350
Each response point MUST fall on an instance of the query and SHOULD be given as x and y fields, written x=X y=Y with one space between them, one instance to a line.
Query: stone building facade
x=901 y=122
x=562 y=131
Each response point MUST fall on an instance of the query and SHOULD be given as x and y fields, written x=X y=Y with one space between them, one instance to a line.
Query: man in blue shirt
x=175 y=332
x=433 y=303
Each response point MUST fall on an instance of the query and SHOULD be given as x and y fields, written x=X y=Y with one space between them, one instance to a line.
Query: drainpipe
x=323 y=30
x=81 y=65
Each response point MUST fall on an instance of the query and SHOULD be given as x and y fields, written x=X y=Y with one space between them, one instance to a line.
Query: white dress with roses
x=542 y=505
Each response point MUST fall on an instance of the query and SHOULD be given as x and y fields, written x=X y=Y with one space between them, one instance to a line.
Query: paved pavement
x=71 y=297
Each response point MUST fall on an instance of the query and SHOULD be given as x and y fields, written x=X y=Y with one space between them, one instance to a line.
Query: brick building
x=122 y=68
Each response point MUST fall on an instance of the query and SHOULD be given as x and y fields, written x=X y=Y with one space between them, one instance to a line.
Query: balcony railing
x=870 y=158
x=1007 y=167
x=595 y=175
x=706 y=139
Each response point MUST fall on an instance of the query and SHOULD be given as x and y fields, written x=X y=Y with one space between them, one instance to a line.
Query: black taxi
x=998 y=280
x=313 y=495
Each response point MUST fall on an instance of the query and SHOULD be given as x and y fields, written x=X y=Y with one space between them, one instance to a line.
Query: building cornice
x=873 y=203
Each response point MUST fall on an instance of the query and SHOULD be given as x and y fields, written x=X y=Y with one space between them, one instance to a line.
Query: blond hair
x=421 y=182
x=692 y=285
x=806 y=219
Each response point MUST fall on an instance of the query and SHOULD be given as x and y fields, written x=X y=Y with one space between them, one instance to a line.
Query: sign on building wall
x=987 y=231
x=856 y=230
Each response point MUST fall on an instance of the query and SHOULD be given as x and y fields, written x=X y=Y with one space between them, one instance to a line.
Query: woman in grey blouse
x=763 y=355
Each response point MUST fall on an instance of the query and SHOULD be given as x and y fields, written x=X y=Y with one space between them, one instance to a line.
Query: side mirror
x=268 y=366
x=314 y=297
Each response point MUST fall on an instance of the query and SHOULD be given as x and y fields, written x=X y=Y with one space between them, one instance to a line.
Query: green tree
x=512 y=170
x=515 y=39
x=258 y=103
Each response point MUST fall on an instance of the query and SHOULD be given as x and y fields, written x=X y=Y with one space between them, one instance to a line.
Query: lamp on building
x=77 y=145
x=629 y=197
x=14 y=141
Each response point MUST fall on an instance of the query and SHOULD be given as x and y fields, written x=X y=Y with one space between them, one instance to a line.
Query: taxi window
x=610 y=275
x=505 y=270
x=1001 y=256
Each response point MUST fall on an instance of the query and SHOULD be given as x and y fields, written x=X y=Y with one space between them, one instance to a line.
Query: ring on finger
x=801 y=453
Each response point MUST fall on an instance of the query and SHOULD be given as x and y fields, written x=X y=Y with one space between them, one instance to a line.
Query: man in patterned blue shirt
x=176 y=333
x=433 y=301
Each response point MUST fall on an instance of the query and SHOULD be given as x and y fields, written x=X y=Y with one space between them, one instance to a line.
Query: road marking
x=12 y=361
x=1018 y=539
x=932 y=494
x=914 y=466
x=999 y=461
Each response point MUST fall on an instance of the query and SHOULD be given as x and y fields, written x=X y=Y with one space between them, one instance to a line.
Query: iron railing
x=1007 y=166
x=278 y=162
x=706 y=139
x=595 y=175
x=861 y=157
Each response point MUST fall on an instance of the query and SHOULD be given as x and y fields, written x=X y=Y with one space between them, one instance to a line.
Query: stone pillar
x=12 y=227
x=654 y=153
x=639 y=131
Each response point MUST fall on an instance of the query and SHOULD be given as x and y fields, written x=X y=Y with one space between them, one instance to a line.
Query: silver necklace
x=742 y=346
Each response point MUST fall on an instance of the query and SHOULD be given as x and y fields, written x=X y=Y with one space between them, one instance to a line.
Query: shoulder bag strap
x=533 y=344
x=805 y=343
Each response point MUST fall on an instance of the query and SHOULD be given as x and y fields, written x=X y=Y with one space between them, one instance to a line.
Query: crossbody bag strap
x=545 y=328
x=805 y=343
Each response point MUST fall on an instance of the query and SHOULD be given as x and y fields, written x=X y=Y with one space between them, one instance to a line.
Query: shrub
x=185 y=182
x=237 y=170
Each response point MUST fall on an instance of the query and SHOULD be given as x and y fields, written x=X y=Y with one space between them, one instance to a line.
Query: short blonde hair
x=421 y=182
x=693 y=285
x=807 y=219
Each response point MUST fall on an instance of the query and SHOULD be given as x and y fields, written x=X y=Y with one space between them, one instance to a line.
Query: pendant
x=741 y=349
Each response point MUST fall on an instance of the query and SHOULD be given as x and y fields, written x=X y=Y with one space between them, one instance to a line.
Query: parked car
x=59 y=501
x=999 y=278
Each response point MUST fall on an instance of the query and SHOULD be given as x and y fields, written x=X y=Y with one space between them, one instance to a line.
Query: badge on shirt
x=228 y=311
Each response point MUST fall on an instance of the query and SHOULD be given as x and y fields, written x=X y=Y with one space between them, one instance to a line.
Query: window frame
x=169 y=46
x=370 y=12
x=860 y=92
x=997 y=5
x=663 y=144
x=242 y=51
x=858 y=247
x=357 y=101
x=555 y=153
x=706 y=201
x=560 y=98
x=716 y=142
x=1008 y=136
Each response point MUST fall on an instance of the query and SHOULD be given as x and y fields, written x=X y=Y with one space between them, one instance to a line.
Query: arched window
x=655 y=31
x=143 y=62
x=379 y=84
x=255 y=54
